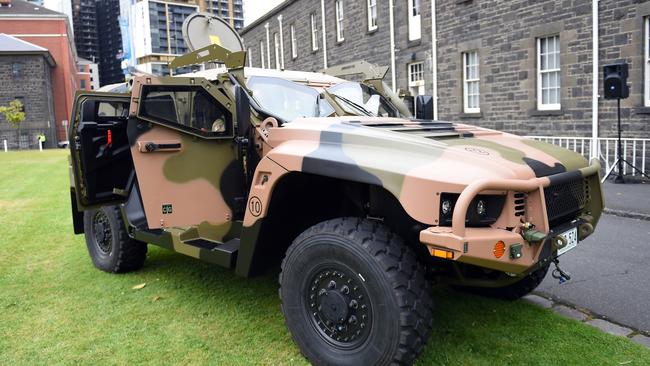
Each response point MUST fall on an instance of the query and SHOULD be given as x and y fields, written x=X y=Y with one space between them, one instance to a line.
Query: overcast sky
x=254 y=9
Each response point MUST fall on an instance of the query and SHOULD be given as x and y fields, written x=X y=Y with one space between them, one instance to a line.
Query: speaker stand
x=619 y=160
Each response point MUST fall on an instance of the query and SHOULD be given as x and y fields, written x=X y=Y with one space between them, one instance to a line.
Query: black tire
x=110 y=247
x=363 y=264
x=513 y=291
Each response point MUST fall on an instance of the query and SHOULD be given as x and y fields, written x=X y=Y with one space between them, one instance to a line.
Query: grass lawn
x=56 y=308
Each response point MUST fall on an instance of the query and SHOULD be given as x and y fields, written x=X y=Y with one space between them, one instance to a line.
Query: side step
x=224 y=255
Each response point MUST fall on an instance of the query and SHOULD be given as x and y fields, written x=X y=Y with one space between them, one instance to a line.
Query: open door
x=100 y=153
x=186 y=161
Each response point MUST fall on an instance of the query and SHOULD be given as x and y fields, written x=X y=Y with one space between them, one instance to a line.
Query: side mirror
x=424 y=107
x=243 y=111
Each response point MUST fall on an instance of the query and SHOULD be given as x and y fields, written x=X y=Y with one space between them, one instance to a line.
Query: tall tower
x=84 y=20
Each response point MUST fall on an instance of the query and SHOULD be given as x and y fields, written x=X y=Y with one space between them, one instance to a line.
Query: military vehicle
x=362 y=205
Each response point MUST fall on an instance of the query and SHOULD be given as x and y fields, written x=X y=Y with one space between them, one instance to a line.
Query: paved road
x=629 y=197
x=610 y=272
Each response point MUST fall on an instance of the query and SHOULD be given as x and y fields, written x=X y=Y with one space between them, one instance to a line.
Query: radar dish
x=203 y=29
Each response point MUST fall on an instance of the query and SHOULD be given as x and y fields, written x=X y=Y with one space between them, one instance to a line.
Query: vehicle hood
x=413 y=158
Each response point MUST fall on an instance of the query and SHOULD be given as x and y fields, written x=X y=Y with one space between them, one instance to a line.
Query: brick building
x=26 y=75
x=523 y=66
x=49 y=30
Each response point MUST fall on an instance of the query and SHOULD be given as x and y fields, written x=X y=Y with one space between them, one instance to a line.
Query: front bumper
x=477 y=246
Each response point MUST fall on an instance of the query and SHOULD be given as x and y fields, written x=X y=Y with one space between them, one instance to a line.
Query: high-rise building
x=160 y=25
x=111 y=45
x=84 y=23
x=230 y=10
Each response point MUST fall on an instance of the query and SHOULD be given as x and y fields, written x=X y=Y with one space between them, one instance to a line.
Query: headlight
x=484 y=210
x=481 y=209
x=446 y=207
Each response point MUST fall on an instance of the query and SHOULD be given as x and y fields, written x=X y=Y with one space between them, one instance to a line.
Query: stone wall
x=505 y=35
x=33 y=84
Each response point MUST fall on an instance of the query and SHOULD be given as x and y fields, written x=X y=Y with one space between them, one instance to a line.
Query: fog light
x=446 y=207
x=499 y=249
x=481 y=208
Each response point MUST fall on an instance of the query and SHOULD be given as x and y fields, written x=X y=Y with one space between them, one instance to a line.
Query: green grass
x=56 y=308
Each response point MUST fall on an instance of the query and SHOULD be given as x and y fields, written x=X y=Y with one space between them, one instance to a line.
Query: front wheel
x=354 y=294
x=110 y=247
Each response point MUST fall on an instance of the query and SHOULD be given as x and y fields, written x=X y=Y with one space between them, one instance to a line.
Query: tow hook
x=559 y=274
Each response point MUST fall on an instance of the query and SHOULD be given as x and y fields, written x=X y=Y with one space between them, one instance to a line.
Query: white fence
x=634 y=150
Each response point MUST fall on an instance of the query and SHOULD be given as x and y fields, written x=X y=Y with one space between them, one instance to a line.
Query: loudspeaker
x=615 y=76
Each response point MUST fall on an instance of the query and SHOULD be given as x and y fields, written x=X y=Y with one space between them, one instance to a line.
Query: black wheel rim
x=338 y=306
x=102 y=232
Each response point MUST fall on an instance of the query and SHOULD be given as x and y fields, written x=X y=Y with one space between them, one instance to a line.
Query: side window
x=190 y=108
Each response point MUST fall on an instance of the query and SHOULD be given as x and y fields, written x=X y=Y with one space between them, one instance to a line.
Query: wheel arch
x=298 y=200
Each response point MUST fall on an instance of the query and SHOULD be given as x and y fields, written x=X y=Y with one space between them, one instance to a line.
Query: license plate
x=571 y=237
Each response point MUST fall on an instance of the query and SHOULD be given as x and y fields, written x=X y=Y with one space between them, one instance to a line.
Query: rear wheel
x=109 y=246
x=354 y=294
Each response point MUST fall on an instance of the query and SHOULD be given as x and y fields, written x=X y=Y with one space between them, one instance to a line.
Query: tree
x=13 y=113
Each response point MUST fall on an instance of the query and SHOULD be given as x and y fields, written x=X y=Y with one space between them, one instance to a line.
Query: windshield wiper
x=354 y=105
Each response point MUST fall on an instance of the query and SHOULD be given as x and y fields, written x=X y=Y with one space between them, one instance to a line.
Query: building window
x=249 y=56
x=314 y=33
x=372 y=15
x=276 y=50
x=83 y=84
x=339 y=21
x=548 y=73
x=471 y=82
x=647 y=62
x=415 y=31
x=262 y=54
x=16 y=69
x=294 y=49
x=416 y=78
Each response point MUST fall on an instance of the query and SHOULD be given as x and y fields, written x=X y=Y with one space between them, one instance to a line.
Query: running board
x=224 y=255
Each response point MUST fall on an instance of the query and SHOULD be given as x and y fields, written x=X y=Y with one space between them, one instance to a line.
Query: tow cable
x=559 y=274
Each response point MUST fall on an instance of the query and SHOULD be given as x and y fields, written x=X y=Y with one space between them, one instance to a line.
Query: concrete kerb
x=586 y=316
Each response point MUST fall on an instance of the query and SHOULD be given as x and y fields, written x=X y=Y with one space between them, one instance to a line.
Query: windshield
x=286 y=99
x=357 y=98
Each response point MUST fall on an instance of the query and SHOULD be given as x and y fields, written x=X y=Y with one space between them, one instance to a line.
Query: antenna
x=203 y=29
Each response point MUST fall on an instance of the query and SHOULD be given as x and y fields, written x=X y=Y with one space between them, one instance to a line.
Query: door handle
x=162 y=146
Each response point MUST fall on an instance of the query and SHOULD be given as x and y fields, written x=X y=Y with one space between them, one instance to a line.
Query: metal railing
x=634 y=150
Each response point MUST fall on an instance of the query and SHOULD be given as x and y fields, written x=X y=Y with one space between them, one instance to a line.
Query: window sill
x=372 y=31
x=550 y=112
x=340 y=41
x=414 y=43
x=471 y=115
x=642 y=110
x=314 y=50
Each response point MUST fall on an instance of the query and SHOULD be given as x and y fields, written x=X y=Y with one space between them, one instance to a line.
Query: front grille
x=565 y=198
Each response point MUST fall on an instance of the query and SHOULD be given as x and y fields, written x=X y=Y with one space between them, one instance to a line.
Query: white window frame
x=416 y=78
x=414 y=19
x=471 y=60
x=340 y=28
x=646 y=57
x=262 y=54
x=294 y=48
x=314 y=32
x=556 y=71
x=276 y=50
x=372 y=20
